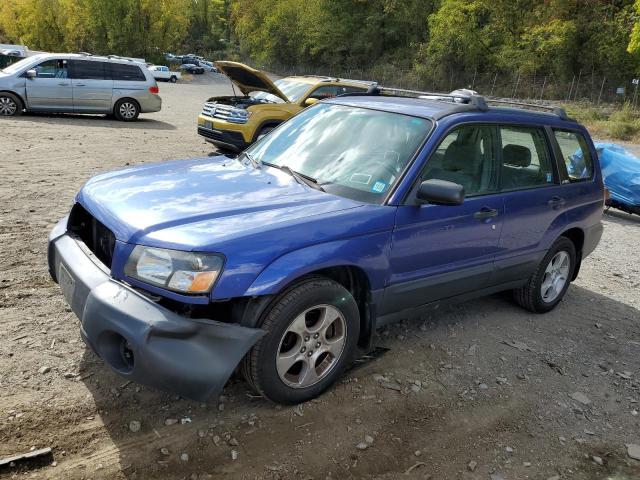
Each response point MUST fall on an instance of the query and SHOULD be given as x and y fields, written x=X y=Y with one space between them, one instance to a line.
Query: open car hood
x=249 y=79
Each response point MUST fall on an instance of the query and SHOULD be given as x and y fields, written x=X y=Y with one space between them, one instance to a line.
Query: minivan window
x=87 y=69
x=466 y=156
x=19 y=65
x=52 y=69
x=526 y=162
x=120 y=71
x=575 y=154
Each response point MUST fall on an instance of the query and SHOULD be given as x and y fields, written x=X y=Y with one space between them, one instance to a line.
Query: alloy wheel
x=555 y=276
x=128 y=110
x=311 y=346
x=8 y=106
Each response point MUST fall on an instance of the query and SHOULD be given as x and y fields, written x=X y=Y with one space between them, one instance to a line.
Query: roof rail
x=478 y=101
x=86 y=54
x=559 y=111
x=401 y=92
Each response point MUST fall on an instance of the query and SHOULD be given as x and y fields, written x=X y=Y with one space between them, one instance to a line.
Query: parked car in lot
x=75 y=83
x=357 y=212
x=191 y=68
x=235 y=122
x=161 y=72
x=208 y=66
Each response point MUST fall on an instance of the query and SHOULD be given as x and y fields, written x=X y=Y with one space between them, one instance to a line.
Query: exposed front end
x=225 y=122
x=132 y=332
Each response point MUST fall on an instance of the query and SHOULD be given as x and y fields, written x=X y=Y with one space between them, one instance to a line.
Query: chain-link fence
x=583 y=87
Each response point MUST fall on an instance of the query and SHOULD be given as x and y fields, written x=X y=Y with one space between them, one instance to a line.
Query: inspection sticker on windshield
x=378 y=187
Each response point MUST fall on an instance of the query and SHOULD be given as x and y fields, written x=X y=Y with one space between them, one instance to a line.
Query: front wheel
x=312 y=332
x=126 y=110
x=10 y=105
x=548 y=284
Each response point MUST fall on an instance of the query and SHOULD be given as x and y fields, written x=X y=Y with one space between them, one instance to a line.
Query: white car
x=160 y=72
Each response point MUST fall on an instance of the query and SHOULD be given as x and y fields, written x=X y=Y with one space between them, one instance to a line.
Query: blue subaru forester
x=357 y=212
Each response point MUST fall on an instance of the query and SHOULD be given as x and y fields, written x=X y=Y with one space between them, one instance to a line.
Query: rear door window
x=121 y=71
x=88 y=70
x=575 y=154
x=526 y=162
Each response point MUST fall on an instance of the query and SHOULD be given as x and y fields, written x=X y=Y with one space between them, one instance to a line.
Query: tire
x=290 y=367
x=126 y=110
x=10 y=105
x=540 y=297
x=173 y=79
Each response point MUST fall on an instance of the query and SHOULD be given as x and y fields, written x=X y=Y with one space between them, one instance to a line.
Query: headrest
x=459 y=156
x=516 y=155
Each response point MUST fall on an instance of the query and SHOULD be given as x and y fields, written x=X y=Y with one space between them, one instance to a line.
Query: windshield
x=16 y=67
x=352 y=152
x=292 y=89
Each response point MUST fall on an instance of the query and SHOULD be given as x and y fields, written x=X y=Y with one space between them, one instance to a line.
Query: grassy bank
x=621 y=123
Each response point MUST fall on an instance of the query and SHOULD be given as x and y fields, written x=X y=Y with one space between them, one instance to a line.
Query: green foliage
x=559 y=39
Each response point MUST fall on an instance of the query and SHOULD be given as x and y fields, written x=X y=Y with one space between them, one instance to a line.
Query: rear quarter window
x=575 y=155
x=125 y=72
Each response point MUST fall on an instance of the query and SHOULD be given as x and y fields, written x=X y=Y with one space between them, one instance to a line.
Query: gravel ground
x=482 y=390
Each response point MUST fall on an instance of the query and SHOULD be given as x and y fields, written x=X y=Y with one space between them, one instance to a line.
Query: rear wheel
x=549 y=283
x=10 y=105
x=126 y=110
x=173 y=79
x=312 y=332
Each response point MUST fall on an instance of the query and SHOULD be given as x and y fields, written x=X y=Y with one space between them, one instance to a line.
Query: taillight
x=154 y=89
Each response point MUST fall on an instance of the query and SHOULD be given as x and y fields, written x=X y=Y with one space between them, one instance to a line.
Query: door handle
x=485 y=212
x=80 y=85
x=63 y=84
x=556 y=202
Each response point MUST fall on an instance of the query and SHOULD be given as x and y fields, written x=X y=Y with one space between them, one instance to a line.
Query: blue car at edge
x=359 y=211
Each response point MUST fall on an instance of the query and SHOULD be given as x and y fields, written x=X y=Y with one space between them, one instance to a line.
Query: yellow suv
x=235 y=122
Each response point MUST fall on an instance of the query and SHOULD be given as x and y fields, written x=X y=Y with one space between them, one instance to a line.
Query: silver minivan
x=78 y=83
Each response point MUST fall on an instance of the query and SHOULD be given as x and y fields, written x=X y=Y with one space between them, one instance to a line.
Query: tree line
x=439 y=37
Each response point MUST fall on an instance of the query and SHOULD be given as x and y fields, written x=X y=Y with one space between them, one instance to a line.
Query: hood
x=249 y=79
x=167 y=204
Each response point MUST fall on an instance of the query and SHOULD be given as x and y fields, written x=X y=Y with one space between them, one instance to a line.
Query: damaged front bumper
x=139 y=339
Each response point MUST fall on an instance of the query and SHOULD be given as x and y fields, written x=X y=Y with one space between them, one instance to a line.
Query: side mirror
x=441 y=192
x=31 y=73
x=310 y=101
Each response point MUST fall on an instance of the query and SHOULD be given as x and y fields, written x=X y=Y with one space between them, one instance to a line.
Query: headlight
x=185 y=272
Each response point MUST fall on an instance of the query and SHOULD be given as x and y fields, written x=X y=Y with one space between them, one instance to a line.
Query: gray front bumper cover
x=193 y=358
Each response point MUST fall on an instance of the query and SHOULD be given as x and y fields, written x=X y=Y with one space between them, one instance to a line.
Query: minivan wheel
x=549 y=283
x=126 y=110
x=10 y=105
x=312 y=332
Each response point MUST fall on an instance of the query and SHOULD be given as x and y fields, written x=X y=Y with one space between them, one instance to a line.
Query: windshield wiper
x=301 y=178
x=254 y=162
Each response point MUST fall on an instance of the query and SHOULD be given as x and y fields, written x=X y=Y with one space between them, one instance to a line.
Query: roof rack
x=559 y=111
x=478 y=101
x=86 y=54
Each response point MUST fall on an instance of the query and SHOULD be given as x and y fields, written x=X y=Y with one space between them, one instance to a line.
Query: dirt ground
x=482 y=390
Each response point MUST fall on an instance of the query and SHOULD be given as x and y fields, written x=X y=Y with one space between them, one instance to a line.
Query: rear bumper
x=137 y=338
x=149 y=103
